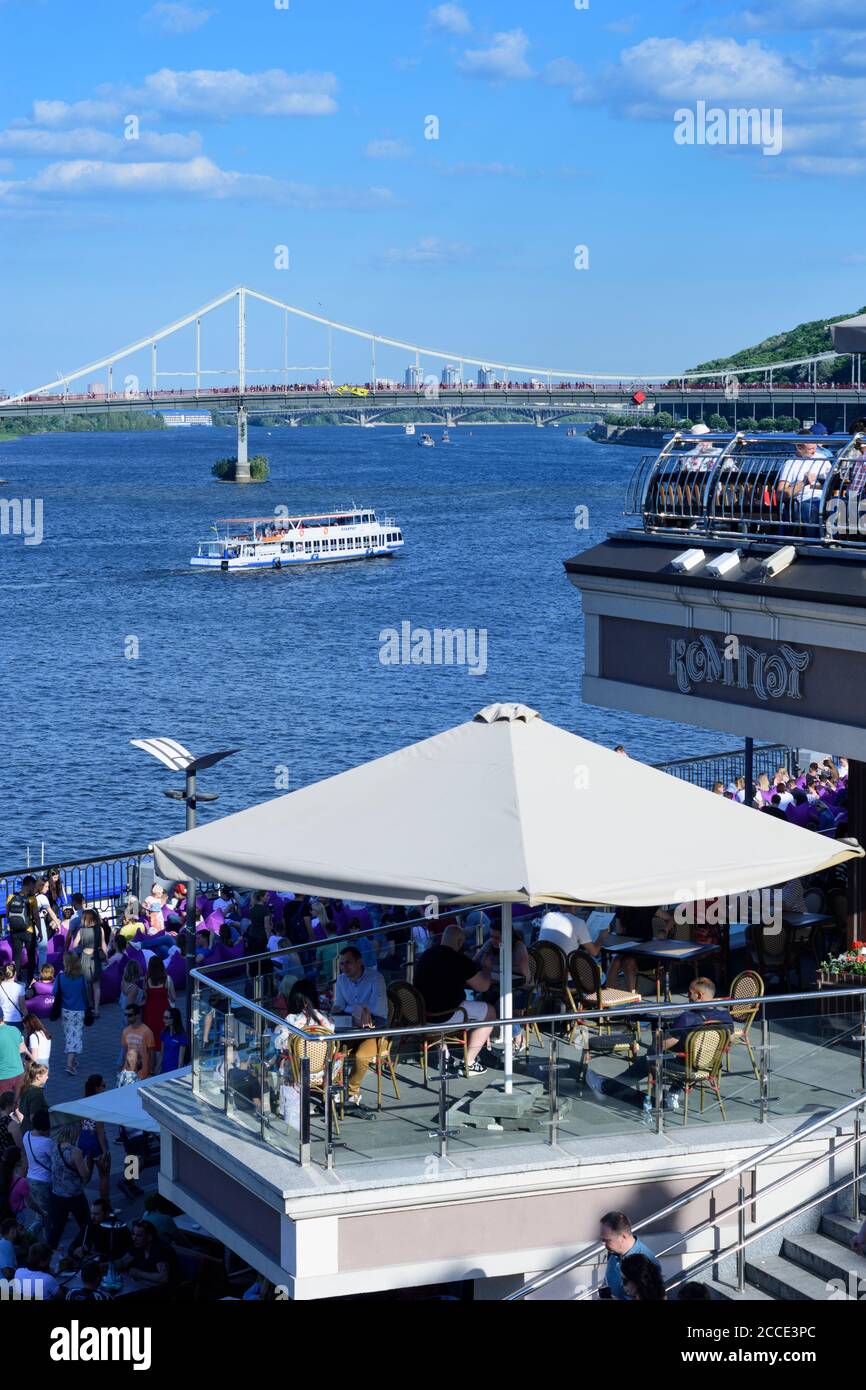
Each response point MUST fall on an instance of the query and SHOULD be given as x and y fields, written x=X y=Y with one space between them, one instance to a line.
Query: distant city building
x=96 y=388
x=414 y=378
x=176 y=419
x=486 y=376
x=450 y=375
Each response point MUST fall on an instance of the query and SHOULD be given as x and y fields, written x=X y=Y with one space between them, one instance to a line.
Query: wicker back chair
x=386 y=1051
x=747 y=985
x=775 y=952
x=700 y=1065
x=585 y=971
x=410 y=1009
x=550 y=975
x=316 y=1050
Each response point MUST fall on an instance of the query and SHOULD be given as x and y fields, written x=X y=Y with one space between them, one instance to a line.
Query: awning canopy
x=504 y=808
x=121 y=1106
x=849 y=335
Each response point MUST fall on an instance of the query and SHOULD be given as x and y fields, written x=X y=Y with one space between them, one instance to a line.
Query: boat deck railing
x=779 y=488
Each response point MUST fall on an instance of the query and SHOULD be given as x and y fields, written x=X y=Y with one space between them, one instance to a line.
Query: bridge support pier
x=242 y=471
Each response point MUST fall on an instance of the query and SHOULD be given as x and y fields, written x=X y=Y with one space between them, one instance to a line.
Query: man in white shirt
x=570 y=932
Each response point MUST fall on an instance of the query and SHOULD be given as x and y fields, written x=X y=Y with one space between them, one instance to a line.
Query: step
x=838 y=1227
x=825 y=1257
x=784 y=1280
x=751 y=1293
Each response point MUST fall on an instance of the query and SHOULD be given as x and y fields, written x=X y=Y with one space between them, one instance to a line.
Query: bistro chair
x=585 y=972
x=775 y=953
x=385 y=1055
x=747 y=985
x=317 y=1050
x=411 y=1010
x=699 y=1066
x=551 y=990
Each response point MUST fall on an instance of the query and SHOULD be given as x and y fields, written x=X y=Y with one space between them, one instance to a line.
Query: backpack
x=18 y=915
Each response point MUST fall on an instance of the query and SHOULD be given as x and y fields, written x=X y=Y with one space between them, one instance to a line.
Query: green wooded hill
x=806 y=340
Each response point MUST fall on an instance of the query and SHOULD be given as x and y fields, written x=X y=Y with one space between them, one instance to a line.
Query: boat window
x=307 y=547
x=285 y=547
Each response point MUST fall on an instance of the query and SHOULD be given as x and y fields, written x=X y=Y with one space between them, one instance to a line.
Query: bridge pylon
x=242 y=471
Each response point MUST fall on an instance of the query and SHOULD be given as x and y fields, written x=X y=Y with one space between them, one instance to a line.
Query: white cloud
x=828 y=166
x=822 y=111
x=429 y=250
x=199 y=177
x=57 y=114
x=480 y=170
x=563 y=72
x=219 y=94
x=504 y=59
x=176 y=18
x=90 y=143
x=387 y=149
x=807 y=14
x=451 y=19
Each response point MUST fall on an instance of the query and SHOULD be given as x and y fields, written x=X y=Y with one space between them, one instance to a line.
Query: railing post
x=741 y=1235
x=228 y=1045
x=410 y=958
x=304 y=1116
x=660 y=1075
x=765 y=1065
x=327 y=1093
x=855 y=1187
x=552 y=1087
x=195 y=1039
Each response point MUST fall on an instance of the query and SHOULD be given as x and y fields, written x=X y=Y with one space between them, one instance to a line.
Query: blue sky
x=304 y=126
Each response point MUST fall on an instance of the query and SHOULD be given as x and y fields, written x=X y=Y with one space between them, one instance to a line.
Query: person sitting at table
x=701 y=991
x=89 y=1292
x=99 y=1241
x=151 y=1260
x=442 y=976
x=361 y=994
x=488 y=960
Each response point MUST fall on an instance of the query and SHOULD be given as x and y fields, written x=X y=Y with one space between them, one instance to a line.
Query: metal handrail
x=643 y=1010
x=63 y=864
x=754 y=1161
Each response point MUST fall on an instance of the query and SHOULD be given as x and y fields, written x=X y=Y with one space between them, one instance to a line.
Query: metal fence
x=727 y=767
x=104 y=881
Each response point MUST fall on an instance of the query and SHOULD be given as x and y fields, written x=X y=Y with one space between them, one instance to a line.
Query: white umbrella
x=505 y=808
x=119 y=1106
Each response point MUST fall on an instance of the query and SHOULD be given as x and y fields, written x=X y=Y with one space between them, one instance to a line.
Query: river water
x=108 y=634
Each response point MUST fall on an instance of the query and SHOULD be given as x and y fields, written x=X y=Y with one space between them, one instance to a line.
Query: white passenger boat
x=272 y=542
x=409 y=429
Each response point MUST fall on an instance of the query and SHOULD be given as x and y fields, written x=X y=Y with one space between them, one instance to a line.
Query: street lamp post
x=179 y=759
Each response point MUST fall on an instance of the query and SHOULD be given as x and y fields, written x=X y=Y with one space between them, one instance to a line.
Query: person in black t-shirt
x=442 y=976
x=151 y=1261
x=102 y=1242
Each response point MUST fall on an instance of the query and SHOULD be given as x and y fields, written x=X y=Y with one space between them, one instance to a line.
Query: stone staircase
x=813 y=1267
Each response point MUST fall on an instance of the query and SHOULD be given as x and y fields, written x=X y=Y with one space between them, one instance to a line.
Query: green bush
x=787 y=424
x=225 y=469
x=662 y=420
x=749 y=423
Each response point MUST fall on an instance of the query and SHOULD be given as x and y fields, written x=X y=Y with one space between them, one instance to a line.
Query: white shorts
x=471 y=1010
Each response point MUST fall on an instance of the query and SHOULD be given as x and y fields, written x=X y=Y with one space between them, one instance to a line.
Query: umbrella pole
x=505 y=998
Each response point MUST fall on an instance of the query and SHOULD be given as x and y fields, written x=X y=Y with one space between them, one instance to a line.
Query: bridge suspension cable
x=242 y=294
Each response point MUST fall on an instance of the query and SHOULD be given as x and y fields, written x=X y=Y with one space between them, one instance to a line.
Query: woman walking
x=36 y=1145
x=92 y=1141
x=70 y=1172
x=12 y=997
x=70 y=1001
x=173 y=1041
x=158 y=996
x=13 y=1056
x=37 y=1039
x=32 y=1094
x=89 y=942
